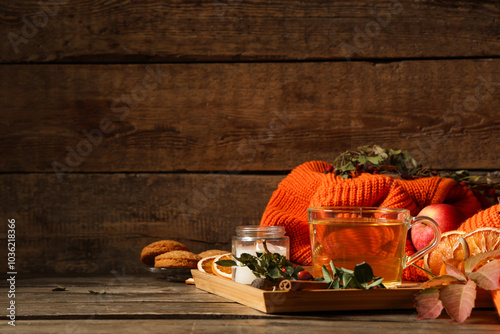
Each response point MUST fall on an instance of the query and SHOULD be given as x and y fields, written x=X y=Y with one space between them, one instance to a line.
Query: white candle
x=249 y=239
x=244 y=275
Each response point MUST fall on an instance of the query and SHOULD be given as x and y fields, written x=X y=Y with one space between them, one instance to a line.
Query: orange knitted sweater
x=489 y=217
x=309 y=186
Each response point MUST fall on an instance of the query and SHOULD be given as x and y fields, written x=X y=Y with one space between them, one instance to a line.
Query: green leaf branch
x=271 y=266
x=399 y=163
x=361 y=277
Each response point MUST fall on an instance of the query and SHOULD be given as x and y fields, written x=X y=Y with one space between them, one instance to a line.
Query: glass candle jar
x=249 y=239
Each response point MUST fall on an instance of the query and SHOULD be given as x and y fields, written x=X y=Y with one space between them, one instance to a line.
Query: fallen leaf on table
x=428 y=304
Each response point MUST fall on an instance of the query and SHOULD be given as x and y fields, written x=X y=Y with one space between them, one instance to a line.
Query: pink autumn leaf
x=472 y=262
x=458 y=300
x=453 y=271
x=438 y=280
x=487 y=277
x=428 y=304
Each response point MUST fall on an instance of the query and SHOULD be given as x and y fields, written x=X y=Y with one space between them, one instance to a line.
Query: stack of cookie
x=173 y=254
x=169 y=254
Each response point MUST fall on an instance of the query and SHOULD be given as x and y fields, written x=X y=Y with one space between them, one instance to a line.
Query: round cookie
x=151 y=251
x=177 y=259
x=212 y=252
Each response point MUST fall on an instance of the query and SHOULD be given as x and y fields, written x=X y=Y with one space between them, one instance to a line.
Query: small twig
x=424 y=270
x=266 y=251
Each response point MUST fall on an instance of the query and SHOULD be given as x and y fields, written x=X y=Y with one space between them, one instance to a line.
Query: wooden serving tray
x=317 y=300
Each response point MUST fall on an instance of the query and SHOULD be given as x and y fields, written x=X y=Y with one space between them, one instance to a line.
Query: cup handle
x=437 y=237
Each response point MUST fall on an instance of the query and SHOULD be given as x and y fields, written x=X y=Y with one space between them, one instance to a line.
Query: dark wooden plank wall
x=126 y=122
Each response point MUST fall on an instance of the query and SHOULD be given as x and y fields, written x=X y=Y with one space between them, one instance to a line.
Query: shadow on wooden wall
x=127 y=122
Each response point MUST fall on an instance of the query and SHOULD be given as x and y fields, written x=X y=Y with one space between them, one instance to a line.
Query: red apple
x=447 y=216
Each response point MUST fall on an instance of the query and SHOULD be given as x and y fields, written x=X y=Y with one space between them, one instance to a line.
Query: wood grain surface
x=239 y=325
x=251 y=117
x=95 y=223
x=125 y=122
x=235 y=30
x=133 y=303
x=320 y=299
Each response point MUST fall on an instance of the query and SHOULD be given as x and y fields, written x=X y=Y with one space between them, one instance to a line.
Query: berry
x=330 y=168
x=304 y=275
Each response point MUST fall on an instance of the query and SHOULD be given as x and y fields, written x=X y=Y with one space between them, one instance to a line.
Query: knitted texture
x=412 y=273
x=487 y=218
x=309 y=186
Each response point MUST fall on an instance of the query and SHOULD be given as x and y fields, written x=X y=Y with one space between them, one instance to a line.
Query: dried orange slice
x=443 y=251
x=205 y=264
x=480 y=240
x=226 y=272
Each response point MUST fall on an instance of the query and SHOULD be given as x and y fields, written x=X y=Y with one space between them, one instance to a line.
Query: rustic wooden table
x=149 y=304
